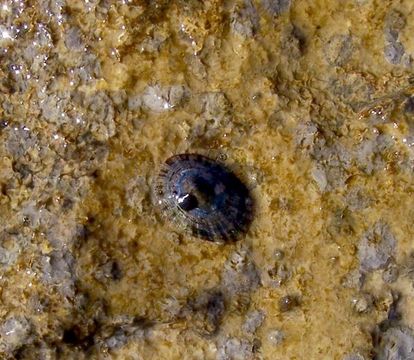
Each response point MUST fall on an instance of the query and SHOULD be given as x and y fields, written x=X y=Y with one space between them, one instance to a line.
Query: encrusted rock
x=244 y=19
x=397 y=343
x=276 y=7
x=276 y=336
x=121 y=331
x=11 y=244
x=235 y=349
x=394 y=50
x=15 y=332
x=206 y=311
x=334 y=160
x=240 y=274
x=254 y=320
x=355 y=356
x=362 y=303
x=74 y=40
x=319 y=175
x=390 y=274
x=279 y=274
x=215 y=114
x=58 y=271
x=161 y=99
x=376 y=247
x=353 y=280
x=338 y=49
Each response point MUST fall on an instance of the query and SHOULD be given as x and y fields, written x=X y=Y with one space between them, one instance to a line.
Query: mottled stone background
x=310 y=102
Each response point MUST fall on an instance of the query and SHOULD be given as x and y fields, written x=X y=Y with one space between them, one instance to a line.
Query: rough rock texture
x=396 y=344
x=376 y=248
x=310 y=102
x=276 y=7
x=245 y=19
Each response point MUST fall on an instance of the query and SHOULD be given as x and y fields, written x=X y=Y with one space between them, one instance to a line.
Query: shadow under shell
x=203 y=196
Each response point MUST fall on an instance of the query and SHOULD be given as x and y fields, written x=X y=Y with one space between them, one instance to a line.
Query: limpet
x=204 y=197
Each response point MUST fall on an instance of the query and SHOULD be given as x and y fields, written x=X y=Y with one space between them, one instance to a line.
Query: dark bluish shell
x=204 y=197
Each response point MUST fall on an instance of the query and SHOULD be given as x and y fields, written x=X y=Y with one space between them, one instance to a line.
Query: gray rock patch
x=254 y=320
x=276 y=7
x=244 y=19
x=235 y=349
x=376 y=248
x=396 y=344
x=14 y=333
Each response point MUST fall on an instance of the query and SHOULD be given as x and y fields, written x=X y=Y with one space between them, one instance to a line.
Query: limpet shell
x=204 y=197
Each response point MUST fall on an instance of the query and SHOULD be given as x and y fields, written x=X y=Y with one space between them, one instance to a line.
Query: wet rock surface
x=310 y=102
x=376 y=248
x=396 y=343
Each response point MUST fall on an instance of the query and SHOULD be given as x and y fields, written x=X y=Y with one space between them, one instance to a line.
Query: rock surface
x=310 y=102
